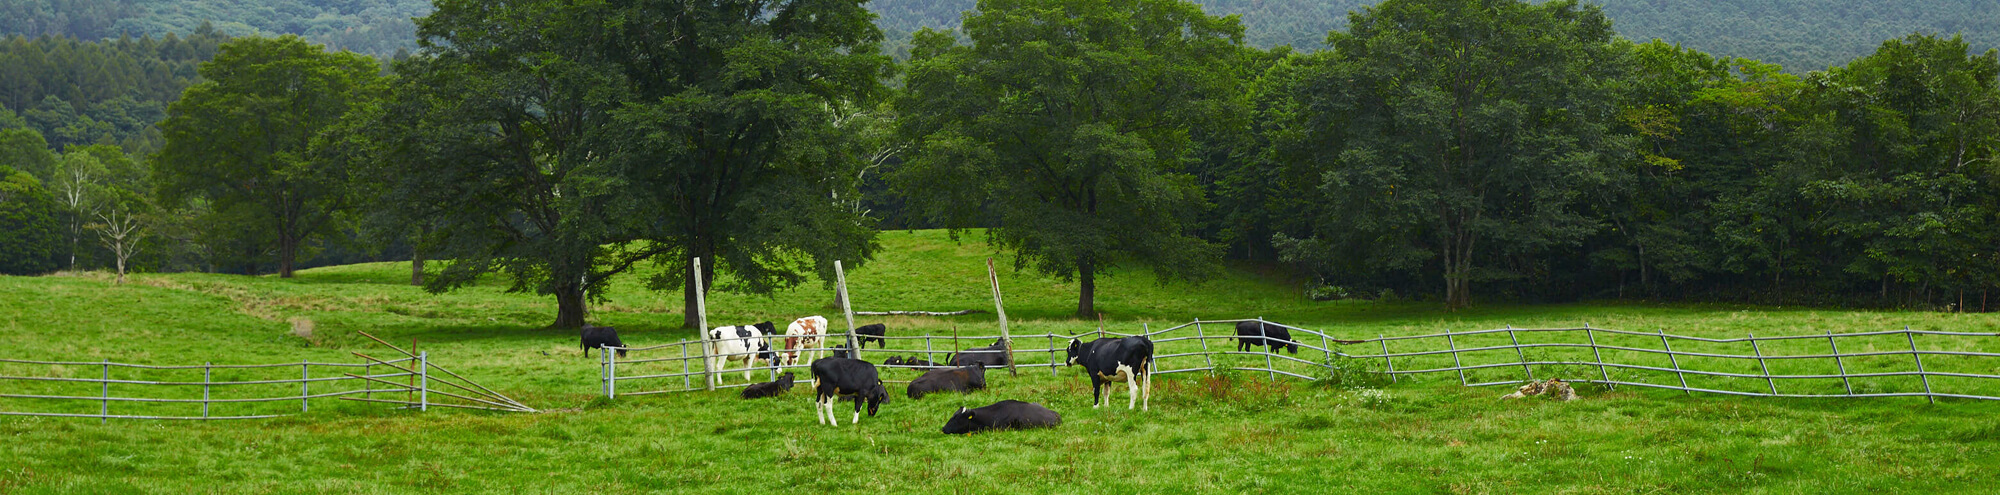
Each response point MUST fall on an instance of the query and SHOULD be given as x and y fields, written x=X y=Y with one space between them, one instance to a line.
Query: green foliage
x=24 y=150
x=245 y=138
x=1065 y=126
x=29 y=217
x=375 y=27
x=98 y=92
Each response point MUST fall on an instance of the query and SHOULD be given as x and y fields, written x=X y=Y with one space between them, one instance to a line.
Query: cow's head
x=960 y=422
x=876 y=395
x=767 y=328
x=1075 y=351
x=785 y=381
x=893 y=361
x=764 y=352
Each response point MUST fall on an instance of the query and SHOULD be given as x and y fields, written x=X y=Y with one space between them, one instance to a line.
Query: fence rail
x=1891 y=363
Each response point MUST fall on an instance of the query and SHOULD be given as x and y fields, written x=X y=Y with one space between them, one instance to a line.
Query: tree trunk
x=288 y=250
x=689 y=313
x=569 y=304
x=416 y=267
x=1086 y=300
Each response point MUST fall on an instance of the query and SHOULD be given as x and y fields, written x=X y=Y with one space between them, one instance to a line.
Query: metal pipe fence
x=1892 y=363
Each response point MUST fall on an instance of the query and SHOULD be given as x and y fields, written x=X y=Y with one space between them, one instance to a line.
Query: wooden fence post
x=1000 y=309
x=846 y=308
x=1760 y=364
x=1836 y=362
x=1600 y=357
x=701 y=326
x=1454 y=356
x=1920 y=364
x=1675 y=360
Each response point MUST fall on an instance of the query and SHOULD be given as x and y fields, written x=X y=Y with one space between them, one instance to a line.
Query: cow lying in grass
x=838 y=378
x=1106 y=360
x=597 y=337
x=964 y=379
x=992 y=355
x=1003 y=415
x=769 y=389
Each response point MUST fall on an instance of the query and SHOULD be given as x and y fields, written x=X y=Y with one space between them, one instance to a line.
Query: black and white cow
x=772 y=388
x=992 y=355
x=1277 y=337
x=746 y=343
x=964 y=379
x=1003 y=415
x=836 y=378
x=595 y=337
x=872 y=331
x=1106 y=360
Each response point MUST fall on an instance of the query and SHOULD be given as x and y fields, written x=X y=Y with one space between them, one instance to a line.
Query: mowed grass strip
x=1236 y=431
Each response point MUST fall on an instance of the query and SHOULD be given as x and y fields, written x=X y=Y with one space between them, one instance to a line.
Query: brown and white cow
x=804 y=335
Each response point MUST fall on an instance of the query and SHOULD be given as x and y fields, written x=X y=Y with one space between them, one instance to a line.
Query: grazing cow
x=599 y=337
x=744 y=343
x=964 y=379
x=772 y=388
x=992 y=355
x=873 y=331
x=804 y=334
x=1003 y=415
x=1106 y=360
x=1278 y=338
x=838 y=378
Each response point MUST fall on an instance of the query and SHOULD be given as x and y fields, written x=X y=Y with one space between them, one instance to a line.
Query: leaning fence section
x=113 y=390
x=1892 y=363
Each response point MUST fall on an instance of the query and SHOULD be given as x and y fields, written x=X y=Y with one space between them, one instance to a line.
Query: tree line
x=1448 y=150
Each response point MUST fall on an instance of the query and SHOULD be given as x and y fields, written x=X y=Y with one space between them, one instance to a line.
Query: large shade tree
x=1065 y=126
x=564 y=144
x=1460 y=127
x=244 y=138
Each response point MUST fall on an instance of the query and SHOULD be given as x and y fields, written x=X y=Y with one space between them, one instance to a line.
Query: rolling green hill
x=1230 y=432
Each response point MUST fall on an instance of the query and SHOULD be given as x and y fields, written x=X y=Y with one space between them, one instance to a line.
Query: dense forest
x=1798 y=35
x=1441 y=150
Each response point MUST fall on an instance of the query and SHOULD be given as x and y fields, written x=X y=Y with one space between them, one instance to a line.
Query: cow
x=744 y=343
x=772 y=388
x=599 y=337
x=992 y=355
x=964 y=379
x=1003 y=415
x=873 y=331
x=837 y=378
x=1106 y=360
x=920 y=364
x=804 y=334
x=1248 y=334
x=893 y=361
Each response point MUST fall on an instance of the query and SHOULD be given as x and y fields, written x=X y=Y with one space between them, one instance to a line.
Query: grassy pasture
x=1234 y=431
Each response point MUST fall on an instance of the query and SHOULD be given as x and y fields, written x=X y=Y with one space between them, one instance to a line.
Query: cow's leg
x=857 y=410
x=819 y=406
x=1096 y=386
x=1146 y=404
x=1132 y=389
x=830 y=401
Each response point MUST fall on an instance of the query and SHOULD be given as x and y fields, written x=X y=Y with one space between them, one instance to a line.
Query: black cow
x=992 y=355
x=873 y=331
x=1105 y=360
x=836 y=378
x=1279 y=338
x=1003 y=415
x=921 y=364
x=769 y=389
x=893 y=361
x=964 y=379
x=601 y=336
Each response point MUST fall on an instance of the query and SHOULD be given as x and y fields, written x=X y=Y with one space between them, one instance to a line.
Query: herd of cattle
x=839 y=376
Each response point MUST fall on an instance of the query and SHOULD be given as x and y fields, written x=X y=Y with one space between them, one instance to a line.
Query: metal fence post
x=104 y=407
x=305 y=386
x=611 y=382
x=204 y=387
x=1384 y=340
x=424 y=379
x=1599 y=356
x=1052 y=354
x=1326 y=353
x=927 y=348
x=1203 y=338
x=1675 y=360
x=1270 y=371
x=1836 y=362
x=368 y=386
x=1519 y=354
x=1760 y=364
x=1920 y=364
x=1454 y=356
x=687 y=380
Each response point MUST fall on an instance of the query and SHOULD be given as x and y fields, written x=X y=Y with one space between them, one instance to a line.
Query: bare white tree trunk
x=121 y=232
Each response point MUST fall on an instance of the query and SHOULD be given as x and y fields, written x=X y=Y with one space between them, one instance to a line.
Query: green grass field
x=1234 y=431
